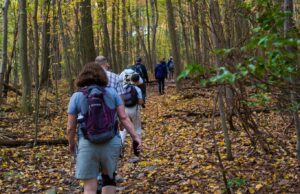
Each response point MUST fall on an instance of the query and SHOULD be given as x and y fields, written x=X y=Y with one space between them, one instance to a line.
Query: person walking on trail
x=142 y=71
x=114 y=82
x=113 y=79
x=170 y=66
x=132 y=101
x=95 y=108
x=161 y=72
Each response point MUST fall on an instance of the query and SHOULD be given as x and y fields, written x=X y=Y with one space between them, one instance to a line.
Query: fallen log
x=29 y=143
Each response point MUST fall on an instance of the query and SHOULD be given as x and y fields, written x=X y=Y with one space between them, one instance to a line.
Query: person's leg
x=90 y=186
x=109 y=156
x=163 y=85
x=109 y=185
x=109 y=190
x=159 y=86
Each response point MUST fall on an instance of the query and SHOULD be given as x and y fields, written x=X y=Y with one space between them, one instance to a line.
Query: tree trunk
x=26 y=85
x=289 y=27
x=113 y=36
x=66 y=54
x=219 y=40
x=195 y=22
x=77 y=58
x=118 y=39
x=36 y=70
x=87 y=46
x=184 y=34
x=36 y=45
x=106 y=39
x=155 y=16
x=4 y=47
x=174 y=43
x=204 y=35
x=45 y=44
x=125 y=35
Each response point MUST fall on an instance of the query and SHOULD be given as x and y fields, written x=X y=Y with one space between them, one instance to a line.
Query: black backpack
x=130 y=96
x=138 y=68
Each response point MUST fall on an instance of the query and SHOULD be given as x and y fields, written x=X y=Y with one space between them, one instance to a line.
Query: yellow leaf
x=258 y=186
x=252 y=190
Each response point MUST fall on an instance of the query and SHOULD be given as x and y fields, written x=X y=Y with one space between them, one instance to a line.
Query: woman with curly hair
x=104 y=156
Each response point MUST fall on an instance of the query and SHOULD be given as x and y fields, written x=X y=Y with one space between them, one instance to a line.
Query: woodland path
x=178 y=154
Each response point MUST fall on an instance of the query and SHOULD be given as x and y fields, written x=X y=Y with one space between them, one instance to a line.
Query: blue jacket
x=161 y=71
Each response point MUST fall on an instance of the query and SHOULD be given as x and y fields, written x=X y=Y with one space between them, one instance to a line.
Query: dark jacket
x=141 y=70
x=161 y=71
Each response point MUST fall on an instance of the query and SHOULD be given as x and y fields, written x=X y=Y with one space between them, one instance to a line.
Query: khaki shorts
x=94 y=158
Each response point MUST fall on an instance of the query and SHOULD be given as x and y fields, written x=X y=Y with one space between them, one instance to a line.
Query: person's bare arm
x=125 y=121
x=71 y=132
x=141 y=101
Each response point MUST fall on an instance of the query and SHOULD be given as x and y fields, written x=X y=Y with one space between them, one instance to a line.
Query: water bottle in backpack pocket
x=99 y=123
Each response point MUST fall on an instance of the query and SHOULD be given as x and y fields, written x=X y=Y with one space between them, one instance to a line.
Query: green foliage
x=236 y=182
x=191 y=69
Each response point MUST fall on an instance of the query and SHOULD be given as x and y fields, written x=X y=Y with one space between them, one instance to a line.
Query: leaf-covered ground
x=178 y=151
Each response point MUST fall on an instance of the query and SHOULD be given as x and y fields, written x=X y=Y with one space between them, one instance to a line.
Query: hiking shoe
x=119 y=179
x=134 y=159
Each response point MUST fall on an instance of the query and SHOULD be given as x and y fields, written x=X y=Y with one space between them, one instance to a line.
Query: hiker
x=161 y=72
x=170 y=66
x=113 y=79
x=128 y=72
x=99 y=141
x=142 y=71
x=132 y=99
x=114 y=82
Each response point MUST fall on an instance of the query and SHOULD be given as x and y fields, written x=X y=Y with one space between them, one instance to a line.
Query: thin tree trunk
x=77 y=58
x=12 y=57
x=148 y=33
x=118 y=39
x=106 y=40
x=155 y=15
x=218 y=39
x=26 y=85
x=66 y=54
x=125 y=35
x=184 y=33
x=113 y=36
x=174 y=43
x=36 y=71
x=4 y=47
x=204 y=34
x=45 y=44
x=195 y=19
x=289 y=26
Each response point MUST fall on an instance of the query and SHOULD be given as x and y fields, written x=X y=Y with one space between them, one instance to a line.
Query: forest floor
x=178 y=150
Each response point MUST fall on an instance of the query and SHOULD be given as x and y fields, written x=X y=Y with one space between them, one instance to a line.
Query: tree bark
x=66 y=54
x=113 y=38
x=45 y=44
x=26 y=85
x=219 y=40
x=106 y=39
x=4 y=47
x=87 y=46
x=125 y=35
x=204 y=35
x=288 y=28
x=174 y=43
